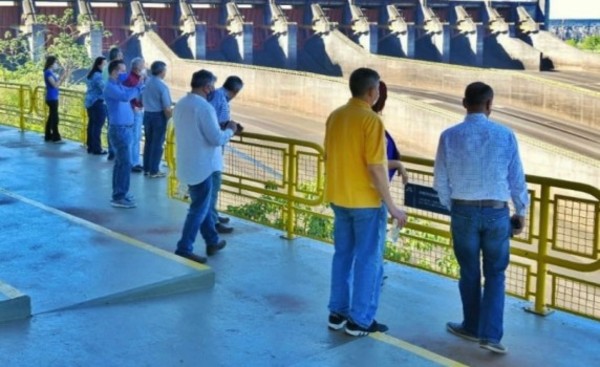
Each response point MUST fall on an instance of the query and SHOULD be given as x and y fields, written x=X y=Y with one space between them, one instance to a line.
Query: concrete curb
x=14 y=305
x=198 y=280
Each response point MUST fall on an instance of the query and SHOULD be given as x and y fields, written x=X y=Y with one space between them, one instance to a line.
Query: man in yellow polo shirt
x=357 y=188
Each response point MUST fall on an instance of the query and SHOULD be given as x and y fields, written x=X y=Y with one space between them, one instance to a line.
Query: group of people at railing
x=132 y=102
x=477 y=171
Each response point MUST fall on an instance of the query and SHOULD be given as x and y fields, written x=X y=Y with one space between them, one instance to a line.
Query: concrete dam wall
x=574 y=104
x=415 y=125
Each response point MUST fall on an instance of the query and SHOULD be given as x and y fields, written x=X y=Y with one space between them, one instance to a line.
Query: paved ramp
x=62 y=261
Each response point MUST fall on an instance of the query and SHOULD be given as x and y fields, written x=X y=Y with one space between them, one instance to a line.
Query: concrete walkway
x=106 y=291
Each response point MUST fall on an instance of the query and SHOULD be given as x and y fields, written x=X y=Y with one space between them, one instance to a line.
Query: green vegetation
x=415 y=247
x=64 y=43
x=589 y=43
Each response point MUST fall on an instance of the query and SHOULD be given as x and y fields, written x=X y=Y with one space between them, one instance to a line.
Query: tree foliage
x=588 y=43
x=62 y=41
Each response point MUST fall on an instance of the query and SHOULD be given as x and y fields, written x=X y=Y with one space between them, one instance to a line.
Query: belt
x=495 y=204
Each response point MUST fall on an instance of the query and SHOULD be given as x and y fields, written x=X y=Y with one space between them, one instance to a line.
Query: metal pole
x=542 y=265
x=22 y=108
x=292 y=180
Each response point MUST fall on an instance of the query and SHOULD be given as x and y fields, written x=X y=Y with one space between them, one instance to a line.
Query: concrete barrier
x=558 y=55
x=513 y=88
x=505 y=52
x=14 y=305
x=296 y=91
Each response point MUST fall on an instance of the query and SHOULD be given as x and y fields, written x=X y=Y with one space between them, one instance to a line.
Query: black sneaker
x=357 y=330
x=336 y=321
x=192 y=256
x=457 y=329
x=223 y=220
x=213 y=249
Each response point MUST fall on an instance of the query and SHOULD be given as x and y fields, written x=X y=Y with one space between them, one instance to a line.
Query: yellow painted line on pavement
x=421 y=352
x=116 y=235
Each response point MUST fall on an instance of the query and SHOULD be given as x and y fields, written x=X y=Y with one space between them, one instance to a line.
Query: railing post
x=540 y=285
x=170 y=158
x=22 y=108
x=292 y=181
x=83 y=136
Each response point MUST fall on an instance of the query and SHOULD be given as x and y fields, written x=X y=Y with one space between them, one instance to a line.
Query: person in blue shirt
x=391 y=149
x=157 y=112
x=220 y=99
x=52 y=83
x=114 y=53
x=120 y=131
x=477 y=171
x=96 y=109
x=392 y=152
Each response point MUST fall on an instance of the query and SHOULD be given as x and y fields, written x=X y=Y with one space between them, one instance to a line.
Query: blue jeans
x=155 y=128
x=214 y=195
x=483 y=231
x=357 y=266
x=96 y=118
x=120 y=137
x=198 y=218
x=138 y=118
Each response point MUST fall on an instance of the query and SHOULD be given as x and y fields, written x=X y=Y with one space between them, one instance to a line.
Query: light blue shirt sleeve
x=221 y=104
x=165 y=97
x=516 y=181
x=441 y=183
x=212 y=131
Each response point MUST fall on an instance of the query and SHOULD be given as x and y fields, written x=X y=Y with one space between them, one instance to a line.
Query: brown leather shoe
x=213 y=249
x=223 y=229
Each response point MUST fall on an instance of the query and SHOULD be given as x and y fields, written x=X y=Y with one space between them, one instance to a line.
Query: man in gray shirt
x=157 y=112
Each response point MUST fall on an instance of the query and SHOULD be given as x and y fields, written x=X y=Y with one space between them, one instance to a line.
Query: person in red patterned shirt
x=137 y=75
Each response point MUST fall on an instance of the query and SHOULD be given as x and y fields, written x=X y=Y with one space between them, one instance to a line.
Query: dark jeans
x=52 y=122
x=96 y=118
x=198 y=218
x=155 y=129
x=121 y=139
x=482 y=233
x=214 y=196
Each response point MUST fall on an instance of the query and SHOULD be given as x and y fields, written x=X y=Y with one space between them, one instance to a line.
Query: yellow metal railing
x=281 y=172
x=278 y=182
x=555 y=262
x=25 y=107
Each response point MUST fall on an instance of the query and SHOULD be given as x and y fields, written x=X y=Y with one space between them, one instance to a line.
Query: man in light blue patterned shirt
x=477 y=170
x=220 y=99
